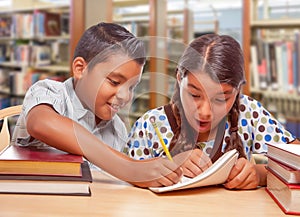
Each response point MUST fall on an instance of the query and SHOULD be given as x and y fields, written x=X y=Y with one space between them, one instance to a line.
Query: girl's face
x=205 y=102
x=109 y=85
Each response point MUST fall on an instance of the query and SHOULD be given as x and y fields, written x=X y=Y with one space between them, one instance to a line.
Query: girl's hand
x=243 y=175
x=193 y=162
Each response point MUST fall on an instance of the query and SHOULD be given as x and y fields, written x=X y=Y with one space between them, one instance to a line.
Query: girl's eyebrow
x=230 y=91
x=194 y=86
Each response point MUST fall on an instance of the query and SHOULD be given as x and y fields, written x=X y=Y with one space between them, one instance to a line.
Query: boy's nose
x=123 y=95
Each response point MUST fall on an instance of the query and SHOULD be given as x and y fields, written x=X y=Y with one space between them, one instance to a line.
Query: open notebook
x=217 y=173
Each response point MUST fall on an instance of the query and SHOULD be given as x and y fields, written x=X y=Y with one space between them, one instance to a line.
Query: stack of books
x=283 y=179
x=43 y=170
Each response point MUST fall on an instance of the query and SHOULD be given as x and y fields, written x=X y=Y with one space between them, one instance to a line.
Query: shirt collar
x=77 y=105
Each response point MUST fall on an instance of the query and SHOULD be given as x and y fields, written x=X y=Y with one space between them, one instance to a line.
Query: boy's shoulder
x=50 y=84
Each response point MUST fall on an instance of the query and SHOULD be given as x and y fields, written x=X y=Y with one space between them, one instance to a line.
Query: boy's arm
x=44 y=124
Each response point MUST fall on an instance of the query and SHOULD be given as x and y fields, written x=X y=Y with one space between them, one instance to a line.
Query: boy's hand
x=194 y=162
x=157 y=172
x=243 y=176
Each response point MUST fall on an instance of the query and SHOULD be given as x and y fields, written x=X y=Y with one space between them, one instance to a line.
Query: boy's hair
x=220 y=57
x=105 y=39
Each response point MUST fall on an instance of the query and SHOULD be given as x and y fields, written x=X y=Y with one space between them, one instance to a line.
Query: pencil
x=152 y=120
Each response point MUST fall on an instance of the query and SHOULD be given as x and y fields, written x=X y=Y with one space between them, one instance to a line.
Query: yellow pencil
x=152 y=120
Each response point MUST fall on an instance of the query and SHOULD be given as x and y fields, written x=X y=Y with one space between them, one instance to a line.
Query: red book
x=287 y=196
x=37 y=160
x=289 y=174
x=287 y=154
x=52 y=24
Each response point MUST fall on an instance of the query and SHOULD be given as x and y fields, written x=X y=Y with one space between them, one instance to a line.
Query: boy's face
x=205 y=102
x=109 y=85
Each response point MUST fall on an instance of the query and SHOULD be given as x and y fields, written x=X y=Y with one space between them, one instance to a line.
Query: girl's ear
x=78 y=67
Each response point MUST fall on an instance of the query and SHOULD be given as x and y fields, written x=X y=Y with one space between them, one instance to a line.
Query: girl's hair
x=102 y=40
x=222 y=59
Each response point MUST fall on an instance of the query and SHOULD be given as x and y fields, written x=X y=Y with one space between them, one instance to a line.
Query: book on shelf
x=286 y=195
x=52 y=24
x=39 y=160
x=45 y=184
x=262 y=65
x=287 y=173
x=216 y=174
x=287 y=154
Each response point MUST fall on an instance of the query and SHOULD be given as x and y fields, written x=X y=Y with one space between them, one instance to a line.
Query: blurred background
x=38 y=37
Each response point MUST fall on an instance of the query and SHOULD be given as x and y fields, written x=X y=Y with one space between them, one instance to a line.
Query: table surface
x=112 y=197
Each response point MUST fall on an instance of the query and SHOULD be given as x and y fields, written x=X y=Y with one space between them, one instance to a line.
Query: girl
x=79 y=115
x=208 y=115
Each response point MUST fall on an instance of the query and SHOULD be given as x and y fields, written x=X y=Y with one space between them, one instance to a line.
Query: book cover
x=52 y=24
x=273 y=67
x=286 y=196
x=216 y=174
x=254 y=68
x=289 y=174
x=279 y=64
x=288 y=154
x=59 y=185
x=262 y=65
x=290 y=75
x=39 y=160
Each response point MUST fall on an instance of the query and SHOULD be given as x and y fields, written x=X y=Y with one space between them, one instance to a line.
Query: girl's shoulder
x=156 y=113
x=249 y=103
x=144 y=121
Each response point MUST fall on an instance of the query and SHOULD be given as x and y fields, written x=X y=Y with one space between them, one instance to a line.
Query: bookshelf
x=144 y=19
x=165 y=32
x=272 y=51
x=34 y=44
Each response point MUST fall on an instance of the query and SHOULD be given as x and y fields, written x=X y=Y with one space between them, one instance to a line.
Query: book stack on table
x=43 y=170
x=283 y=179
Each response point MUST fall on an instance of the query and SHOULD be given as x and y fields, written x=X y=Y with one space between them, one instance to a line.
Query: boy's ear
x=178 y=77
x=78 y=67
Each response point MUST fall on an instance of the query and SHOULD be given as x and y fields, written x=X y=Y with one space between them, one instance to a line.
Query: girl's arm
x=46 y=125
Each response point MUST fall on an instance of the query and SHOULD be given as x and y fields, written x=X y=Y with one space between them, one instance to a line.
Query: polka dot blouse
x=256 y=128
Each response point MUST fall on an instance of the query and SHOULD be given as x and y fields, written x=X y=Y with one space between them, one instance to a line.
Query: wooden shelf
x=271 y=23
x=56 y=7
x=129 y=3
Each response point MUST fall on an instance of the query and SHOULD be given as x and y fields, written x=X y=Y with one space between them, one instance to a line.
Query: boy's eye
x=194 y=95
x=113 y=82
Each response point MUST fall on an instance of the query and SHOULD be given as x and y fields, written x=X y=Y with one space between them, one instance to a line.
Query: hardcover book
x=289 y=174
x=286 y=195
x=39 y=160
x=216 y=174
x=58 y=185
x=288 y=154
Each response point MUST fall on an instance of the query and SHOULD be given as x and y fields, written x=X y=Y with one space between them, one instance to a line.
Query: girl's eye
x=221 y=100
x=113 y=82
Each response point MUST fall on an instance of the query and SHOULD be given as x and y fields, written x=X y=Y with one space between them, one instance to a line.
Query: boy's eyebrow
x=117 y=74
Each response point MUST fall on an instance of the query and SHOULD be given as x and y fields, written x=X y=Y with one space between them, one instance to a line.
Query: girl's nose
x=204 y=109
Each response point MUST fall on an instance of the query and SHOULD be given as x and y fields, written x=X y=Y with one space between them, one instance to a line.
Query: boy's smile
x=110 y=85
